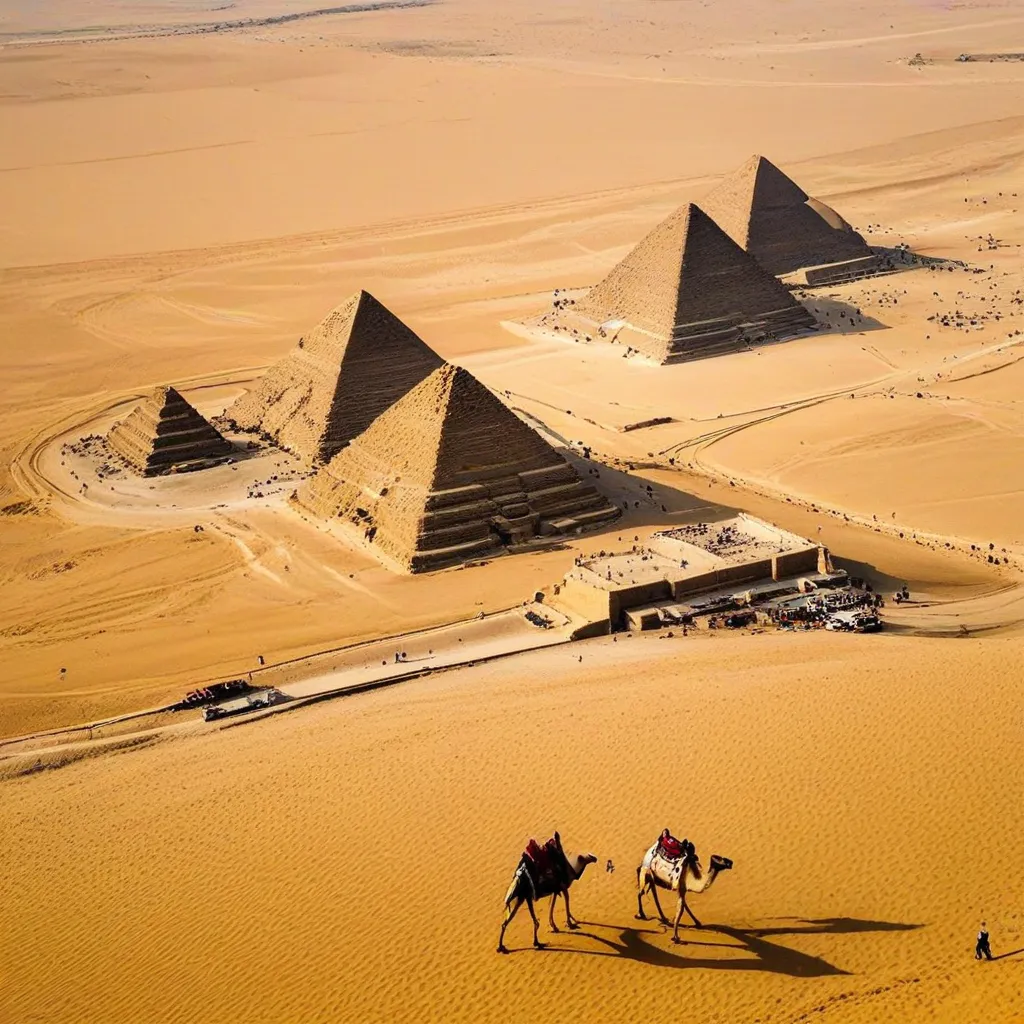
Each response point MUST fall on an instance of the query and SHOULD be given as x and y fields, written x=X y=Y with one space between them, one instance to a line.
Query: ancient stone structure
x=351 y=367
x=687 y=290
x=166 y=432
x=450 y=473
x=773 y=219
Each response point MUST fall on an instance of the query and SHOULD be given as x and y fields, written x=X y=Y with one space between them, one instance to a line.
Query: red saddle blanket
x=670 y=847
x=547 y=865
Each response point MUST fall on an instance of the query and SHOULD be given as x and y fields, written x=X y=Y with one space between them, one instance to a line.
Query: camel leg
x=551 y=913
x=693 y=915
x=679 y=914
x=570 y=921
x=641 y=888
x=657 y=903
x=537 y=944
x=510 y=912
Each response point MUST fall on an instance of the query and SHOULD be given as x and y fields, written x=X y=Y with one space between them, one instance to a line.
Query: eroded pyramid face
x=449 y=473
x=772 y=218
x=683 y=278
x=357 y=362
x=165 y=431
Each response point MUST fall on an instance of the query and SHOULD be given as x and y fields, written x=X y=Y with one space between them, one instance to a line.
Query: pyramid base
x=700 y=340
x=464 y=523
x=846 y=271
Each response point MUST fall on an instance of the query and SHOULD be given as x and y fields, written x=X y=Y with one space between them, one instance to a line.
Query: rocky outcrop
x=351 y=367
x=165 y=432
x=771 y=217
x=687 y=290
x=450 y=473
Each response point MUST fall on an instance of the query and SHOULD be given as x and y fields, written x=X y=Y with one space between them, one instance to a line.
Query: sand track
x=115 y=33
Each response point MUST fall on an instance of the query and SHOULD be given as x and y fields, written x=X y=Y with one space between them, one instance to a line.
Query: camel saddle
x=669 y=860
x=547 y=866
x=671 y=848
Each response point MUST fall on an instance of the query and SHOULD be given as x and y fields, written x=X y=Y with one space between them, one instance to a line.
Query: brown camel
x=682 y=875
x=525 y=889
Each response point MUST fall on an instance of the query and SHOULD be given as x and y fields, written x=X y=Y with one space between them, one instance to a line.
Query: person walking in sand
x=982 y=949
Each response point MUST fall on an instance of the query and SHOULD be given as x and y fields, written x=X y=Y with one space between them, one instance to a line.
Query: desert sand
x=190 y=188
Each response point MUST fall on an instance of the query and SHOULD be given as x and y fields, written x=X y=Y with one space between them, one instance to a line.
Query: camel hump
x=548 y=865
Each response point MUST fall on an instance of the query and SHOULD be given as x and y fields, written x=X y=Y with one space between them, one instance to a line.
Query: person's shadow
x=635 y=944
x=1013 y=952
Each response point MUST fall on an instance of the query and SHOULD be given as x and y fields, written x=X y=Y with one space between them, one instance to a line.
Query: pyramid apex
x=165 y=393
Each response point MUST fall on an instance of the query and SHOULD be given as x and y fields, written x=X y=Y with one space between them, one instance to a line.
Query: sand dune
x=349 y=861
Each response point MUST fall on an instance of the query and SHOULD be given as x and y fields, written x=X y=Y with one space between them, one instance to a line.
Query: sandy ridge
x=115 y=33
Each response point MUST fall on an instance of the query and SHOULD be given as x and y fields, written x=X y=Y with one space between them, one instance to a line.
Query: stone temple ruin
x=686 y=291
x=784 y=229
x=449 y=473
x=166 y=433
x=693 y=570
x=352 y=366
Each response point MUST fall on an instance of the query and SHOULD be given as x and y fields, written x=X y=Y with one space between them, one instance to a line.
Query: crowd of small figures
x=110 y=465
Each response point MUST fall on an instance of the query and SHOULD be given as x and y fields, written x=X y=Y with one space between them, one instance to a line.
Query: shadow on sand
x=836 y=317
x=1013 y=952
x=636 y=944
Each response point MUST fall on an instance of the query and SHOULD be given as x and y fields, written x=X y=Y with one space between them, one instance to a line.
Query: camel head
x=580 y=862
x=720 y=863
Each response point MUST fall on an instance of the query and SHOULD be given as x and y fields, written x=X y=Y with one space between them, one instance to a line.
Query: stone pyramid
x=783 y=228
x=450 y=473
x=688 y=290
x=352 y=366
x=165 y=431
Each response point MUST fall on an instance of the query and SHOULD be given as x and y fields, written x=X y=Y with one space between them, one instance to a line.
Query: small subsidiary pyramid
x=353 y=365
x=771 y=217
x=450 y=473
x=687 y=290
x=163 y=432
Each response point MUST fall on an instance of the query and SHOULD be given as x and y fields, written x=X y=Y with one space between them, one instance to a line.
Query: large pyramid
x=165 y=431
x=449 y=473
x=352 y=366
x=783 y=228
x=687 y=290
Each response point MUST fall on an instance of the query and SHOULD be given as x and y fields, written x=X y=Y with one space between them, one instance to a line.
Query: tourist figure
x=982 y=949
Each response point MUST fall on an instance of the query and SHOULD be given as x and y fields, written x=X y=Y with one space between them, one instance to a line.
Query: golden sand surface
x=181 y=204
x=348 y=862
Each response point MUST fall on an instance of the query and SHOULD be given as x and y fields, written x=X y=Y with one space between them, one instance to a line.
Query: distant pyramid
x=165 y=431
x=783 y=228
x=688 y=290
x=449 y=473
x=352 y=366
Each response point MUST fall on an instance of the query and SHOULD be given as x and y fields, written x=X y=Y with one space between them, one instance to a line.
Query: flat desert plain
x=187 y=188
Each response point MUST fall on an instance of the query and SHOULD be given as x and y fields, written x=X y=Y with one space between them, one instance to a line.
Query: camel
x=682 y=875
x=523 y=889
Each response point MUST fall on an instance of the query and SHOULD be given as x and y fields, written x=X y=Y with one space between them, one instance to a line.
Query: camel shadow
x=631 y=944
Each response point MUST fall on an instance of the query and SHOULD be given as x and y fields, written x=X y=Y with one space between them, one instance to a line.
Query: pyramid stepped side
x=450 y=473
x=721 y=297
x=784 y=239
x=166 y=431
x=784 y=229
x=356 y=363
x=643 y=288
